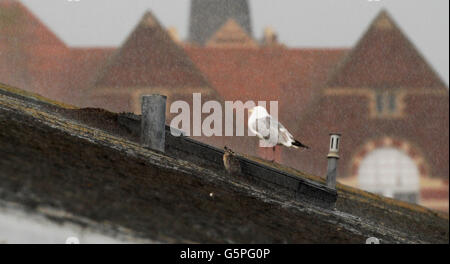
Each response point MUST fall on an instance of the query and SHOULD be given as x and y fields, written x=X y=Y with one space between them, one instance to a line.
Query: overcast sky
x=299 y=23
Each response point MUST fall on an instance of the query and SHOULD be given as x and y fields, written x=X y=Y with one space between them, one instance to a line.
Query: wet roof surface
x=83 y=161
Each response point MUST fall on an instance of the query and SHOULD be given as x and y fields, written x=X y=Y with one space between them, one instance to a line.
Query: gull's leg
x=273 y=154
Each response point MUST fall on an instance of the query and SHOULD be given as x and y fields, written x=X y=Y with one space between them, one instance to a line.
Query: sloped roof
x=31 y=54
x=231 y=34
x=82 y=69
x=385 y=57
x=150 y=58
x=50 y=154
x=260 y=74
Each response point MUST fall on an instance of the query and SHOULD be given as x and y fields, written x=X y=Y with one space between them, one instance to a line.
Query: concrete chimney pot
x=333 y=157
x=153 y=122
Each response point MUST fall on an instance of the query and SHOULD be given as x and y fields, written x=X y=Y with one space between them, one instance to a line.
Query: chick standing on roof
x=230 y=162
x=269 y=130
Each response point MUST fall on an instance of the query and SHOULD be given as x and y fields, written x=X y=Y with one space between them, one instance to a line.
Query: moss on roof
x=30 y=95
x=355 y=193
x=83 y=162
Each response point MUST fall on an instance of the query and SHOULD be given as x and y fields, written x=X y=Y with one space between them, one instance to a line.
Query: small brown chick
x=231 y=162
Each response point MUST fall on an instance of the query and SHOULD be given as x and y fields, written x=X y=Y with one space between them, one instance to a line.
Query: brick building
x=392 y=110
x=388 y=103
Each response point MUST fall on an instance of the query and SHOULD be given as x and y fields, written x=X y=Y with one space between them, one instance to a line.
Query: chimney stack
x=333 y=157
x=153 y=122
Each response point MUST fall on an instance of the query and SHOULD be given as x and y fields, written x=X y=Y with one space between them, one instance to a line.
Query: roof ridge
x=383 y=23
x=27 y=12
x=150 y=46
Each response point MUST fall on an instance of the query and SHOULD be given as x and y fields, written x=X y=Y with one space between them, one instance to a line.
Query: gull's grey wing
x=284 y=136
x=268 y=126
x=265 y=126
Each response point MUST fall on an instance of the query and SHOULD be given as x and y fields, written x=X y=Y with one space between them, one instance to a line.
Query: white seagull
x=270 y=130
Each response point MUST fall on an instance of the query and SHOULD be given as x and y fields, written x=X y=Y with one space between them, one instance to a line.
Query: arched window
x=390 y=172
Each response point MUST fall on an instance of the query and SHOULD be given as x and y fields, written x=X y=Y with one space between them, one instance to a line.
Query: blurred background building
x=389 y=104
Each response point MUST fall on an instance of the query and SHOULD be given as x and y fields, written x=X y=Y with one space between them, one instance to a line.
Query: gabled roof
x=30 y=53
x=150 y=58
x=16 y=21
x=261 y=73
x=231 y=34
x=385 y=58
x=424 y=120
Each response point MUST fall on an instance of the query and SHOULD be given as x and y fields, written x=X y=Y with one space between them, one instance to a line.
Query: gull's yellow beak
x=250 y=111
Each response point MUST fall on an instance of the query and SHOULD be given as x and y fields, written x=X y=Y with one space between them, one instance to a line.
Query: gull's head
x=258 y=112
